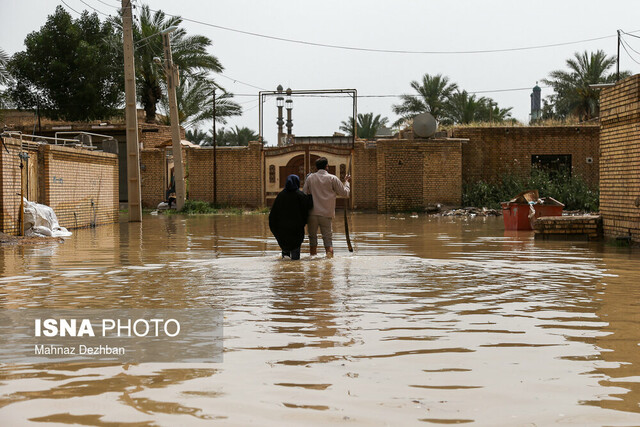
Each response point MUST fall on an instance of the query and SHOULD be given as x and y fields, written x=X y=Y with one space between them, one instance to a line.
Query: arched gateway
x=299 y=159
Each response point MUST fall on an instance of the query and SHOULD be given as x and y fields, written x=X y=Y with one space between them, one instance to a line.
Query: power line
x=625 y=49
x=96 y=10
x=392 y=96
x=241 y=82
x=353 y=48
x=629 y=34
x=629 y=45
x=65 y=3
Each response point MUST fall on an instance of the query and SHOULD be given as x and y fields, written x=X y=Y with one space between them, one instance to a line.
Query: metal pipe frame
x=262 y=95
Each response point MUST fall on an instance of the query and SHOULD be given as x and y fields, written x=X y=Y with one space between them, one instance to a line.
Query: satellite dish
x=424 y=125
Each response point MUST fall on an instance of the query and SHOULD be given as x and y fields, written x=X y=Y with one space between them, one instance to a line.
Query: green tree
x=5 y=77
x=573 y=96
x=368 y=125
x=189 y=54
x=238 y=136
x=198 y=137
x=433 y=94
x=195 y=102
x=464 y=108
x=69 y=68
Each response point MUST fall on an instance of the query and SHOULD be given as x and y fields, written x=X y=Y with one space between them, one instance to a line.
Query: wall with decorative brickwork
x=153 y=177
x=80 y=185
x=365 y=175
x=239 y=173
x=587 y=227
x=415 y=174
x=620 y=159
x=494 y=151
x=153 y=135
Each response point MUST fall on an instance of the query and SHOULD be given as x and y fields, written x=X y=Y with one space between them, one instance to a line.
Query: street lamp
x=289 y=103
x=280 y=122
x=171 y=73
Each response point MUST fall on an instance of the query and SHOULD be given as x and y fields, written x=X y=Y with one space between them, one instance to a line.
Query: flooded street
x=430 y=320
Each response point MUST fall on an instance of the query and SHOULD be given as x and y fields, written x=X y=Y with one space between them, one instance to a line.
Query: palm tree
x=464 y=108
x=368 y=125
x=242 y=136
x=198 y=137
x=5 y=77
x=573 y=96
x=433 y=95
x=189 y=54
x=195 y=102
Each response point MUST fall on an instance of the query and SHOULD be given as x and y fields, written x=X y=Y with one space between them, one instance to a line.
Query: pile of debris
x=467 y=212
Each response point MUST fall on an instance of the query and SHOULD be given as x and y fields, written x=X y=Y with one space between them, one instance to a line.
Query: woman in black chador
x=288 y=217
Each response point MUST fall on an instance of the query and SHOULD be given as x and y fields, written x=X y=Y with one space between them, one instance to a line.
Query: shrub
x=572 y=191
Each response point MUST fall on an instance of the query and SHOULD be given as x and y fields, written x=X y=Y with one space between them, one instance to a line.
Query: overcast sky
x=253 y=62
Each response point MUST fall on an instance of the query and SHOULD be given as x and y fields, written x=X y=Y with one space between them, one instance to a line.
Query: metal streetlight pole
x=289 y=103
x=171 y=72
x=280 y=122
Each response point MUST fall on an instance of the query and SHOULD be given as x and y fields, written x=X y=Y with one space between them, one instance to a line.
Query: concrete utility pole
x=171 y=72
x=133 y=156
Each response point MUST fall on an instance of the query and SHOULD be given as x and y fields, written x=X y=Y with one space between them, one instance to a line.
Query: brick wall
x=239 y=173
x=152 y=135
x=620 y=159
x=153 y=177
x=587 y=227
x=494 y=151
x=10 y=189
x=414 y=174
x=81 y=186
x=365 y=175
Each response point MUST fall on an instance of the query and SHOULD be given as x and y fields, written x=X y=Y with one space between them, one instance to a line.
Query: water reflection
x=439 y=320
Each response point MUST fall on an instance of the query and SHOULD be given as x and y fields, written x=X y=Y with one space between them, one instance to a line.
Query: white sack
x=41 y=221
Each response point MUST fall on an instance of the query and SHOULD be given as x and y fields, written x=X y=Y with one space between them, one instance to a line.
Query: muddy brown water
x=431 y=320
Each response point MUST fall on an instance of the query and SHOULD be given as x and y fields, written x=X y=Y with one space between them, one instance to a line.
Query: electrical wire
x=625 y=49
x=393 y=96
x=353 y=48
x=629 y=45
x=65 y=3
x=241 y=82
x=629 y=34
x=96 y=10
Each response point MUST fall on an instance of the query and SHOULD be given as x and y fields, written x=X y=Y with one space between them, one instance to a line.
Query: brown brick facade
x=81 y=186
x=492 y=152
x=587 y=227
x=414 y=174
x=620 y=159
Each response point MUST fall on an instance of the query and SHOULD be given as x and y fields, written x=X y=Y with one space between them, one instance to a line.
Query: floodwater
x=430 y=320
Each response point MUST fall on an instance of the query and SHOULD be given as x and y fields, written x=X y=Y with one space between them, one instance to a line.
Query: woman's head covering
x=293 y=183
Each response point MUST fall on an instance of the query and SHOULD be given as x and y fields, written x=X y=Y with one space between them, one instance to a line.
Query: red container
x=516 y=215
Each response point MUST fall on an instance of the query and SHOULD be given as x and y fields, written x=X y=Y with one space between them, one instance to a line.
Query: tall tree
x=5 y=77
x=195 y=102
x=573 y=96
x=368 y=125
x=189 y=54
x=433 y=94
x=238 y=136
x=464 y=108
x=69 y=69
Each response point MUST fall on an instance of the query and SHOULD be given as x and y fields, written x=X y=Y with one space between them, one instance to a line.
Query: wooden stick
x=346 y=205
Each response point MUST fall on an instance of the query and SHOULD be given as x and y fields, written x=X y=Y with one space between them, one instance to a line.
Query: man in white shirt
x=324 y=188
